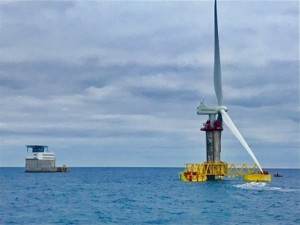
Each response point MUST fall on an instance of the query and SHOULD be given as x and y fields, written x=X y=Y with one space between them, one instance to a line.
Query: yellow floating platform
x=256 y=177
x=199 y=172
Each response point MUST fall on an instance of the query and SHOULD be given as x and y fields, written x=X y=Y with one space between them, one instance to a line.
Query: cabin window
x=38 y=149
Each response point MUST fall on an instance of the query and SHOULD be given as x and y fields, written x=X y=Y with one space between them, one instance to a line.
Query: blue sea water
x=144 y=196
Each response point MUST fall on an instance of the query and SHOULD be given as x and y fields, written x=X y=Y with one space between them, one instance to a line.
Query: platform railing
x=201 y=171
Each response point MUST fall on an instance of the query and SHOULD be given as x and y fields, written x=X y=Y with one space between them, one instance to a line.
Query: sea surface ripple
x=144 y=196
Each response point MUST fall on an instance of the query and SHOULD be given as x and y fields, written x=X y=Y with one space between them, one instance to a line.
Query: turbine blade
x=238 y=135
x=217 y=63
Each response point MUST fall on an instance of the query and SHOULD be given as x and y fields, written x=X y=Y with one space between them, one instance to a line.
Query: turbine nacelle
x=205 y=110
x=210 y=110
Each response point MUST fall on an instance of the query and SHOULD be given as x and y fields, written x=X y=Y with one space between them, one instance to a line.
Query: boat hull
x=43 y=166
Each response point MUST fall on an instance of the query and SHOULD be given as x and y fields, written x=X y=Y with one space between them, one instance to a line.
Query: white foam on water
x=252 y=185
x=263 y=186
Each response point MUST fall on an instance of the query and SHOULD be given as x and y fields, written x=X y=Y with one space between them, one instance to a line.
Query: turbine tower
x=218 y=114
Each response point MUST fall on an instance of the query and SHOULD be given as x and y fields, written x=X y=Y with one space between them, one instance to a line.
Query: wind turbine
x=213 y=126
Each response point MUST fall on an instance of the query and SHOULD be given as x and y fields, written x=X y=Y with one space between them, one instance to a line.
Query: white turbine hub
x=222 y=107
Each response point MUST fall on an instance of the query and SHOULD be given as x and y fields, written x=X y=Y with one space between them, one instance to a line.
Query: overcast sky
x=118 y=83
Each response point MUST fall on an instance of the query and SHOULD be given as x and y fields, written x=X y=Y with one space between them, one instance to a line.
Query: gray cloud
x=121 y=80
